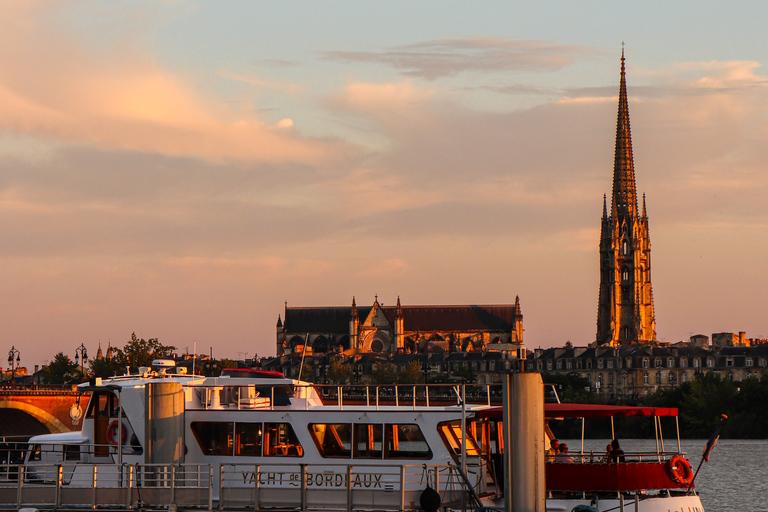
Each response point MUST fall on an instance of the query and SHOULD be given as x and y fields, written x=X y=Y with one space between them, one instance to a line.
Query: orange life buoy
x=680 y=470
x=112 y=433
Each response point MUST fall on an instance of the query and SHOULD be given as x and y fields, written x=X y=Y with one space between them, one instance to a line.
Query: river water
x=735 y=477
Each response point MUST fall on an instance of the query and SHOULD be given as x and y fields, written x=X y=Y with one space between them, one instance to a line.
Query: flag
x=713 y=440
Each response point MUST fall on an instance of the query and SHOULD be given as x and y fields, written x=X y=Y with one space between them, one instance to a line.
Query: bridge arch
x=52 y=423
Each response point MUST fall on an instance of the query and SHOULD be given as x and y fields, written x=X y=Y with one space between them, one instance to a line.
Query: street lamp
x=14 y=363
x=81 y=351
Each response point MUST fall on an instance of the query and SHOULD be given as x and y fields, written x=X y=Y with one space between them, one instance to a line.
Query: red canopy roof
x=552 y=411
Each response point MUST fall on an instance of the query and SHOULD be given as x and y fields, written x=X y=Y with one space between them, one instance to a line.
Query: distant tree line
x=700 y=402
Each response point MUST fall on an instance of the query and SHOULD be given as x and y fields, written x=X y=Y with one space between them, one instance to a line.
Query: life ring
x=680 y=470
x=112 y=433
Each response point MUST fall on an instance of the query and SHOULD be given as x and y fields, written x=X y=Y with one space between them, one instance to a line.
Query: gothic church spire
x=625 y=312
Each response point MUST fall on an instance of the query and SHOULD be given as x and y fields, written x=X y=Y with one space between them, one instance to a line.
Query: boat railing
x=77 y=485
x=342 y=487
x=246 y=396
x=603 y=458
x=337 y=486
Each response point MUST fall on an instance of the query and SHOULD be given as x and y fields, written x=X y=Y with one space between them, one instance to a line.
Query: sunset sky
x=180 y=169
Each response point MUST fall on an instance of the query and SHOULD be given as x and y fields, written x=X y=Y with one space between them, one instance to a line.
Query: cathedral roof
x=415 y=318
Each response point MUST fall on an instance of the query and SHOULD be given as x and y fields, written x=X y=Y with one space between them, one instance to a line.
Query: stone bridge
x=32 y=410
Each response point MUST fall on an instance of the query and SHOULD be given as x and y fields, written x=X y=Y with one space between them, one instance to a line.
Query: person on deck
x=617 y=454
x=563 y=456
x=554 y=446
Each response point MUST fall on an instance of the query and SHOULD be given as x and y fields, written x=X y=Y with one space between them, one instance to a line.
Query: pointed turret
x=624 y=197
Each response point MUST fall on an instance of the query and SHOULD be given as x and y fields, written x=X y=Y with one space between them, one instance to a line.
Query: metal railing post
x=210 y=488
x=59 y=473
x=221 y=486
x=93 y=486
x=303 y=487
x=349 y=488
x=257 y=484
x=22 y=476
x=173 y=486
x=402 y=487
x=129 y=489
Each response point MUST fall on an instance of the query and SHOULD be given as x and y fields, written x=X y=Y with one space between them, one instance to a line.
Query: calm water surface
x=735 y=477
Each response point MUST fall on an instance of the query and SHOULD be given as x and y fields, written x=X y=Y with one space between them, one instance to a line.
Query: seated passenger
x=553 y=450
x=562 y=455
x=607 y=457
x=617 y=454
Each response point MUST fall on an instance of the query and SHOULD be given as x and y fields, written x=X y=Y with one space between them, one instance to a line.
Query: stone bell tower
x=625 y=311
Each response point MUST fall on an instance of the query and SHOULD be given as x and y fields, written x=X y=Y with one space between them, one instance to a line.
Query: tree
x=384 y=373
x=339 y=373
x=412 y=374
x=62 y=370
x=139 y=352
x=104 y=367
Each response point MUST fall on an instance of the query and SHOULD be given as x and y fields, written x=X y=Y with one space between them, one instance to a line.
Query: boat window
x=282 y=394
x=248 y=439
x=280 y=441
x=368 y=439
x=332 y=439
x=35 y=453
x=450 y=431
x=214 y=437
x=71 y=452
x=405 y=442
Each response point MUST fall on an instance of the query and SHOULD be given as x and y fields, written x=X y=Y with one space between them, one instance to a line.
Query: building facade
x=632 y=371
x=625 y=311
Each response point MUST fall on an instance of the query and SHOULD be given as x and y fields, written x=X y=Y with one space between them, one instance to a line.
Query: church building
x=399 y=329
x=625 y=311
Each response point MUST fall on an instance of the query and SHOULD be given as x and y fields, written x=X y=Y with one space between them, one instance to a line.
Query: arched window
x=624 y=247
x=749 y=361
x=670 y=362
x=646 y=362
x=658 y=377
x=683 y=362
x=629 y=362
x=625 y=274
x=600 y=364
x=657 y=362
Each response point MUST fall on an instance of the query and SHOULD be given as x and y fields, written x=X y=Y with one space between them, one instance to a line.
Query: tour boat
x=256 y=439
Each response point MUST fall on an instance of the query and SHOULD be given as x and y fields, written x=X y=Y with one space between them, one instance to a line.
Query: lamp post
x=13 y=362
x=81 y=351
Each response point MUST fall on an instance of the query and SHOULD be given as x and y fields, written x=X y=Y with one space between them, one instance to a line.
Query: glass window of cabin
x=71 y=452
x=450 y=431
x=280 y=441
x=368 y=440
x=333 y=440
x=248 y=439
x=35 y=454
x=214 y=437
x=405 y=442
